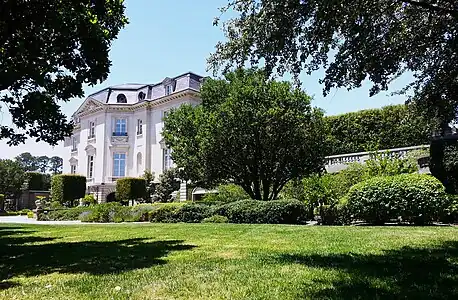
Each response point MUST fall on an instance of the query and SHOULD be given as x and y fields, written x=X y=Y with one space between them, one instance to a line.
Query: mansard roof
x=138 y=86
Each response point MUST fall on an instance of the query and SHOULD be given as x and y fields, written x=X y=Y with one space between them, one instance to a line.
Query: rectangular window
x=73 y=169
x=119 y=164
x=74 y=143
x=166 y=159
x=90 y=166
x=139 y=126
x=91 y=130
x=120 y=127
x=168 y=89
x=150 y=92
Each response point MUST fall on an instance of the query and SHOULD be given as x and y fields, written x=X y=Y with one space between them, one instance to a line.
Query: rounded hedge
x=414 y=198
x=267 y=212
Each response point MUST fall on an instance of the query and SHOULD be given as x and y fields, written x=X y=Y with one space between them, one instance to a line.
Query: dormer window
x=168 y=89
x=141 y=96
x=121 y=98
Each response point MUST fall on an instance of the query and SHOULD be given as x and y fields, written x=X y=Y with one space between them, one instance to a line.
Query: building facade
x=118 y=132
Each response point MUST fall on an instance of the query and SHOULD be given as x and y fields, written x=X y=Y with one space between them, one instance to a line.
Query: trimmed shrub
x=37 y=181
x=385 y=128
x=66 y=214
x=192 y=213
x=226 y=193
x=268 y=212
x=444 y=161
x=67 y=188
x=89 y=200
x=24 y=212
x=130 y=189
x=415 y=198
x=105 y=213
x=30 y=215
x=165 y=213
x=216 y=219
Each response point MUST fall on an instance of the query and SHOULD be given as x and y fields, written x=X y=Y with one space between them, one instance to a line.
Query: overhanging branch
x=453 y=12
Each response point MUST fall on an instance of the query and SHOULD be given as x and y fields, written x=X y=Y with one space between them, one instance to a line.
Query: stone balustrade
x=336 y=163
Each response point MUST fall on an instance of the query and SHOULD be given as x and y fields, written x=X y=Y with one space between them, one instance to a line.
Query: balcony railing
x=119 y=134
x=336 y=163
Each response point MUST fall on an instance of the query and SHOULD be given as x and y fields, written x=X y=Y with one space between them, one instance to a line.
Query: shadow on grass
x=17 y=258
x=406 y=273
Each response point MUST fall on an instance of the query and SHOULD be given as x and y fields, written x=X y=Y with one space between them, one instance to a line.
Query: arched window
x=121 y=98
x=139 y=162
x=141 y=96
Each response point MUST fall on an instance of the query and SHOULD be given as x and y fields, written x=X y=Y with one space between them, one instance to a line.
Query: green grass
x=225 y=261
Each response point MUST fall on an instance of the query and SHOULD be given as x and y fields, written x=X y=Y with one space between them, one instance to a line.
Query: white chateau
x=118 y=132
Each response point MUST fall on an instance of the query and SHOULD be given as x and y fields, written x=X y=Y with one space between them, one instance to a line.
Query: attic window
x=168 y=89
x=121 y=98
x=141 y=96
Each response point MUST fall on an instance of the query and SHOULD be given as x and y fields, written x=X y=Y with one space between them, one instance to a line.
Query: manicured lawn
x=222 y=261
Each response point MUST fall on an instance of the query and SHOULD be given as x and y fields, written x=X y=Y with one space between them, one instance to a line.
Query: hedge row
x=37 y=181
x=376 y=129
x=244 y=211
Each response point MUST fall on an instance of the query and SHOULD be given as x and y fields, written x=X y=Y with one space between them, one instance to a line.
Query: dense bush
x=130 y=189
x=269 y=212
x=415 y=198
x=328 y=189
x=444 y=161
x=2 y=202
x=67 y=188
x=165 y=213
x=66 y=214
x=216 y=219
x=388 y=127
x=106 y=212
x=37 y=181
x=88 y=200
x=192 y=213
x=226 y=193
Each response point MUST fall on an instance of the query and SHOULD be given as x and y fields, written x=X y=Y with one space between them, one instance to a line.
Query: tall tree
x=48 y=50
x=42 y=163
x=28 y=162
x=55 y=165
x=353 y=40
x=12 y=177
x=249 y=130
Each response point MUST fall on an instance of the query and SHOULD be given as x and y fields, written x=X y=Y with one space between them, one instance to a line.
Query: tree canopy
x=352 y=40
x=12 y=178
x=41 y=164
x=250 y=131
x=48 y=50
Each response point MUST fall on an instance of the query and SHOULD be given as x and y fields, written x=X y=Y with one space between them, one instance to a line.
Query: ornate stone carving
x=119 y=139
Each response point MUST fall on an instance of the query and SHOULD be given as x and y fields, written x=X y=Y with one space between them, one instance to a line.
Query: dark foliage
x=37 y=181
x=130 y=189
x=67 y=188
x=49 y=50
x=444 y=161
x=264 y=212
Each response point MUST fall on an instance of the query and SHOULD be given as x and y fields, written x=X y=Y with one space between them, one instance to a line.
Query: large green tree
x=48 y=50
x=352 y=40
x=12 y=178
x=55 y=165
x=249 y=130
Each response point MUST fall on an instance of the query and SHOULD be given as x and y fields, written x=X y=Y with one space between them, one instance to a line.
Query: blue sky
x=165 y=39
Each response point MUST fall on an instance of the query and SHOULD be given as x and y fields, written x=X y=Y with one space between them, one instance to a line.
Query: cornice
x=103 y=107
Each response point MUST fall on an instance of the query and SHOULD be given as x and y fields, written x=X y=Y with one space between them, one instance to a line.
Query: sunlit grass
x=224 y=261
